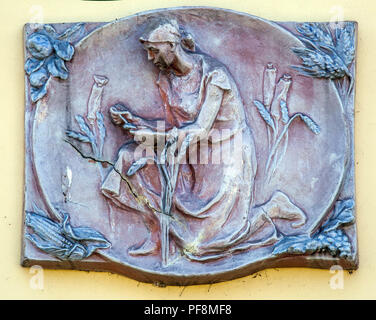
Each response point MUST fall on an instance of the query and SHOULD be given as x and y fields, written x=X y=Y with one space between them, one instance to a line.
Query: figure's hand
x=120 y=115
x=127 y=116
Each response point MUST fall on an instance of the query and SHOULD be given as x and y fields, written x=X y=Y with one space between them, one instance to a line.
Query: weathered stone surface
x=285 y=198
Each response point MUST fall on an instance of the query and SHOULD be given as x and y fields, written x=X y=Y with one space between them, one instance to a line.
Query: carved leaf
x=345 y=44
x=91 y=238
x=38 y=93
x=64 y=50
x=137 y=165
x=284 y=111
x=81 y=233
x=264 y=113
x=89 y=234
x=292 y=245
x=312 y=125
x=56 y=67
x=33 y=65
x=50 y=30
x=78 y=136
x=69 y=32
x=78 y=252
x=85 y=128
x=342 y=215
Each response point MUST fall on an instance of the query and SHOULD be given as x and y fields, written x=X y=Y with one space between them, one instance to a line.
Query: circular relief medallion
x=188 y=142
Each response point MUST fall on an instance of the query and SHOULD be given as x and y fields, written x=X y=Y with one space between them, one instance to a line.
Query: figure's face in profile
x=162 y=54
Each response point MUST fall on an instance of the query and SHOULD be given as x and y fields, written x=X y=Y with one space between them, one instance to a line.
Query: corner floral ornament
x=49 y=51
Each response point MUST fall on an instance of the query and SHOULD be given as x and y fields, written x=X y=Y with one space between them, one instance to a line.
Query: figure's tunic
x=213 y=196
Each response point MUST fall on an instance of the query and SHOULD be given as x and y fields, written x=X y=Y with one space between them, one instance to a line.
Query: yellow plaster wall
x=268 y=284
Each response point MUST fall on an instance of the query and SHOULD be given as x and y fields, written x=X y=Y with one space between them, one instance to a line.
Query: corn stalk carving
x=61 y=239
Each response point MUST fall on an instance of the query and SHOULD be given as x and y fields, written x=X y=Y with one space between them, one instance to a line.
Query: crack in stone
x=139 y=198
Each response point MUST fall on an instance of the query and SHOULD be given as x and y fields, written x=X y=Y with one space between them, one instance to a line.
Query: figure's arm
x=200 y=129
x=191 y=133
x=121 y=116
x=194 y=132
x=146 y=123
x=209 y=110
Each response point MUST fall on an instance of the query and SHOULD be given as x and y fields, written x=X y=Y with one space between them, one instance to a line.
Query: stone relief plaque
x=189 y=145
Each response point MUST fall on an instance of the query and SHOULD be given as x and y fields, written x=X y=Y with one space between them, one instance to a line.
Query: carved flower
x=56 y=67
x=49 y=52
x=39 y=45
